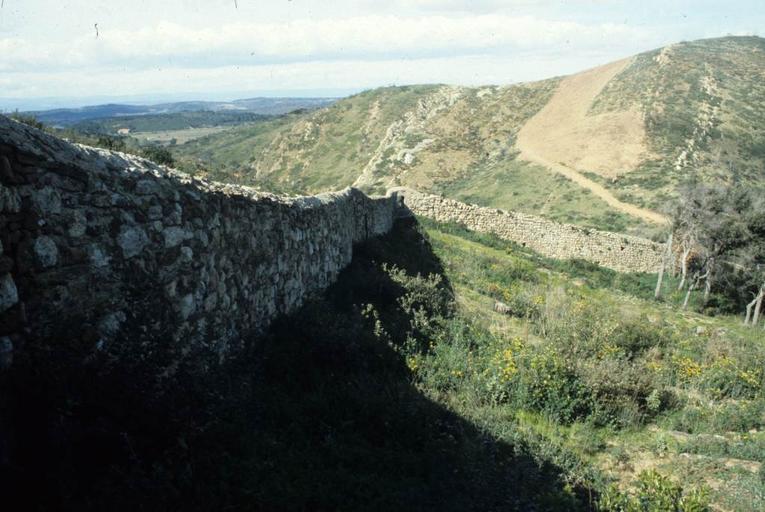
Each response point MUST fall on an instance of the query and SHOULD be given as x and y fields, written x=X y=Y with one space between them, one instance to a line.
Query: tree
x=665 y=260
x=752 y=259
x=720 y=233
x=687 y=218
x=724 y=230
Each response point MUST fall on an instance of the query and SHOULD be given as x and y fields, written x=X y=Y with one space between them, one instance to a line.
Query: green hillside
x=704 y=107
x=169 y=121
x=699 y=103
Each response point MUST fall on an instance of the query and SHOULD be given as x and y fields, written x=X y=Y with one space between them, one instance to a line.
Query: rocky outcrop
x=616 y=251
x=106 y=252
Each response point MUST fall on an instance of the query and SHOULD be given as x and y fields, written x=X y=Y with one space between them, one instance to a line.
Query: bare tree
x=714 y=227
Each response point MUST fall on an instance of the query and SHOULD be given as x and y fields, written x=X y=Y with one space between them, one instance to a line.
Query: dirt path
x=563 y=138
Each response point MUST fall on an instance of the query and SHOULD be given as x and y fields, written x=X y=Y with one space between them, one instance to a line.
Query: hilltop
x=604 y=148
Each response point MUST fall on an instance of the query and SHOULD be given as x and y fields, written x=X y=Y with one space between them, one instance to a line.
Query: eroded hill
x=604 y=148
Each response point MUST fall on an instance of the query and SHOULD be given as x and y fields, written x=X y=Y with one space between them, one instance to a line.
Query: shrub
x=620 y=390
x=111 y=143
x=639 y=335
x=728 y=416
x=158 y=154
x=426 y=303
x=28 y=120
x=548 y=382
x=724 y=378
x=655 y=493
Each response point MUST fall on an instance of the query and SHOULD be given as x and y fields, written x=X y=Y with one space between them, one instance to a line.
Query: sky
x=79 y=52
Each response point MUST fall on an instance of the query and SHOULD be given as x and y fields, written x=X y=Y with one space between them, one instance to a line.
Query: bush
x=636 y=336
x=111 y=143
x=158 y=154
x=655 y=493
x=548 y=382
x=28 y=120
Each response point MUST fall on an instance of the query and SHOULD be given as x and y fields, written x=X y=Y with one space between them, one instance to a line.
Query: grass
x=180 y=136
x=401 y=387
x=697 y=367
x=529 y=188
x=674 y=96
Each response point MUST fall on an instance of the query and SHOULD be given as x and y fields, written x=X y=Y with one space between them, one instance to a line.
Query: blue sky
x=69 y=52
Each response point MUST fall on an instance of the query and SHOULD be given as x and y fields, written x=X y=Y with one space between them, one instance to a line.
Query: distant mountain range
x=64 y=117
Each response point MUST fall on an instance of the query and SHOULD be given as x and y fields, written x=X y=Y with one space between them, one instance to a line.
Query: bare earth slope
x=564 y=138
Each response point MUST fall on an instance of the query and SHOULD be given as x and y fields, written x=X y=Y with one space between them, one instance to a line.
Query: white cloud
x=371 y=37
x=207 y=47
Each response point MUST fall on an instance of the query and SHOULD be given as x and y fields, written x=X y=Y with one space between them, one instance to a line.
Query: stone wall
x=107 y=251
x=110 y=252
x=619 y=252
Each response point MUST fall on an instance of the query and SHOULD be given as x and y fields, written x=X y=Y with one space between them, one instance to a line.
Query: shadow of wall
x=322 y=413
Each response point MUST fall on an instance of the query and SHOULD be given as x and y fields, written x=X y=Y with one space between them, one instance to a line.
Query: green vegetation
x=166 y=122
x=699 y=100
x=304 y=152
x=587 y=373
x=150 y=151
x=28 y=120
x=717 y=236
x=707 y=91
x=532 y=189
x=591 y=363
x=402 y=387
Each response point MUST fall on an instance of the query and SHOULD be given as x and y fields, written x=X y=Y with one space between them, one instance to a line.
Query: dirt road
x=564 y=138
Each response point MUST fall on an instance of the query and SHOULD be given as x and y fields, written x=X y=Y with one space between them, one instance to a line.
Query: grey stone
x=6 y=353
x=187 y=254
x=186 y=306
x=97 y=257
x=176 y=215
x=147 y=187
x=109 y=324
x=174 y=235
x=9 y=200
x=79 y=224
x=47 y=201
x=46 y=251
x=171 y=289
x=254 y=256
x=9 y=295
x=623 y=253
x=155 y=212
x=132 y=240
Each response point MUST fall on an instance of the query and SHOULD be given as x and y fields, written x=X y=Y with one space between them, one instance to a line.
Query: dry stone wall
x=106 y=253
x=619 y=252
x=111 y=252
